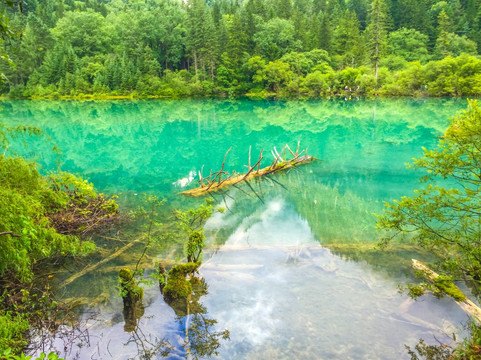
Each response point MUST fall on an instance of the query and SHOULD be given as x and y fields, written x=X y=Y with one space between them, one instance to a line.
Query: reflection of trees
x=148 y=346
x=123 y=143
x=340 y=220
x=200 y=337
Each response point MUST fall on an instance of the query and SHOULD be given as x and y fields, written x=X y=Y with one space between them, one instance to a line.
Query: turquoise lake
x=290 y=268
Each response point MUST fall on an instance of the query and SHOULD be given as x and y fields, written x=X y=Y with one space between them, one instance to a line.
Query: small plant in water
x=192 y=222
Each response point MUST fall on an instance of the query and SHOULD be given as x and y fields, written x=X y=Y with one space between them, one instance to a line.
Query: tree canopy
x=199 y=47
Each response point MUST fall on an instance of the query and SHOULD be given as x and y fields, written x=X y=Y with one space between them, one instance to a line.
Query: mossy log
x=467 y=305
x=251 y=174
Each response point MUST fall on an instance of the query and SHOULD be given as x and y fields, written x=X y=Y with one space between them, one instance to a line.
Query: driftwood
x=221 y=179
x=467 y=305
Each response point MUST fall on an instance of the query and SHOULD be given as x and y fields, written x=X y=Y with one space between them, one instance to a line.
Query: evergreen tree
x=347 y=37
x=360 y=7
x=442 y=42
x=325 y=33
x=201 y=42
x=283 y=9
x=377 y=31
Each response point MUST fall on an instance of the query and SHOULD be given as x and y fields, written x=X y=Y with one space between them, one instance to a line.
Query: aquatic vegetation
x=192 y=222
x=445 y=285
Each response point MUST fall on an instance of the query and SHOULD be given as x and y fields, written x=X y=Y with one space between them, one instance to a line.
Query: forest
x=109 y=49
x=310 y=48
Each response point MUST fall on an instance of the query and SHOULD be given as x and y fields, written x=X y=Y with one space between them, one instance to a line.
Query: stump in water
x=178 y=286
x=131 y=292
x=162 y=277
x=132 y=295
x=221 y=179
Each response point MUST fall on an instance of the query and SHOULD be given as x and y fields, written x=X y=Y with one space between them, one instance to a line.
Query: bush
x=26 y=200
x=12 y=330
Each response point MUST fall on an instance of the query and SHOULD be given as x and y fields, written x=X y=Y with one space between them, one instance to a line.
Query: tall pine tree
x=377 y=31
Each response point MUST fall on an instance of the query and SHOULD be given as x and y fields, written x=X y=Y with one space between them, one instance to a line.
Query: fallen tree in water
x=443 y=285
x=222 y=179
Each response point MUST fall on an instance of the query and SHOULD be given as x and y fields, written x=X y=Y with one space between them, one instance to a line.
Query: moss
x=446 y=286
x=177 y=285
x=415 y=291
x=131 y=292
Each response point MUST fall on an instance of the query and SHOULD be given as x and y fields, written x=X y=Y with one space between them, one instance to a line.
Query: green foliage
x=444 y=285
x=468 y=349
x=446 y=220
x=26 y=200
x=12 y=330
x=8 y=34
x=441 y=286
x=86 y=31
x=429 y=352
x=129 y=290
x=191 y=222
x=203 y=48
x=7 y=355
x=275 y=38
x=409 y=44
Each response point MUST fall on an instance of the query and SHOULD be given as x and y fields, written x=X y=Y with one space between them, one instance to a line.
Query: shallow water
x=280 y=266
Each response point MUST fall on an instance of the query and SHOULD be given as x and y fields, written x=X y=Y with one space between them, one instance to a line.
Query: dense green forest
x=227 y=47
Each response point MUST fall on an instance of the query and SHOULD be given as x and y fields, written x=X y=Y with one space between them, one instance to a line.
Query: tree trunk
x=195 y=62
x=376 y=57
x=467 y=305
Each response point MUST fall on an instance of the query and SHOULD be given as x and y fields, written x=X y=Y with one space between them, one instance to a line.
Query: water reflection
x=148 y=346
x=280 y=269
x=197 y=336
x=146 y=145
x=283 y=296
x=201 y=339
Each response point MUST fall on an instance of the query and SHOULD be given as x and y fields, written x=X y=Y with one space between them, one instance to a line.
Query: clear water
x=290 y=267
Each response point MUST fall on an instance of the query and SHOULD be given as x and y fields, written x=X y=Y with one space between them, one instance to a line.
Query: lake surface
x=290 y=270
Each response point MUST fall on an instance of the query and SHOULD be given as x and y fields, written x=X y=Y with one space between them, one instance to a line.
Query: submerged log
x=467 y=305
x=215 y=181
x=96 y=265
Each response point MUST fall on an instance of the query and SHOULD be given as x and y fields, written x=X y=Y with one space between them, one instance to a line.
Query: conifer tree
x=376 y=32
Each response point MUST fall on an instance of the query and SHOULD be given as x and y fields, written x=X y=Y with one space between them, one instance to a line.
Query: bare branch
x=10 y=233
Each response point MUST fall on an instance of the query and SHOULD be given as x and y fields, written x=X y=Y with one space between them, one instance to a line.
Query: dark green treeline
x=217 y=47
